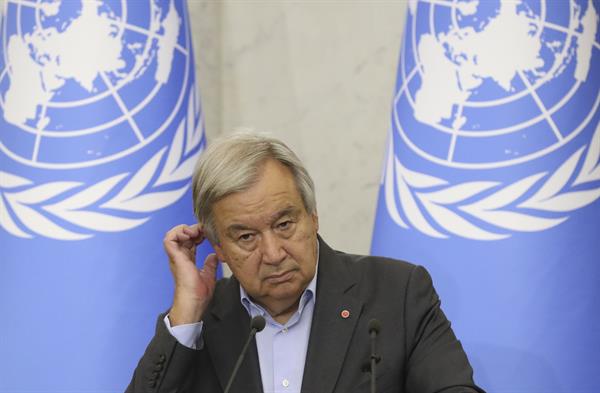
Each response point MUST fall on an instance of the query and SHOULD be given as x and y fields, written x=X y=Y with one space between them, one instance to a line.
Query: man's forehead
x=247 y=221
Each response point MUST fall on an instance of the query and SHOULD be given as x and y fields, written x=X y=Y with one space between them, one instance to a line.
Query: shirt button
x=285 y=383
x=284 y=330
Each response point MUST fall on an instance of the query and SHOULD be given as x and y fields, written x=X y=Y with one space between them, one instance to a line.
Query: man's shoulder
x=369 y=270
x=375 y=278
x=376 y=264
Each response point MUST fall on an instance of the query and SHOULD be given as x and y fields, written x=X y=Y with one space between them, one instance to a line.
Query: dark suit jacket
x=419 y=351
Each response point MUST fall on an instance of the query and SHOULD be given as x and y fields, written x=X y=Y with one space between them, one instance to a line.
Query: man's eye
x=284 y=225
x=246 y=237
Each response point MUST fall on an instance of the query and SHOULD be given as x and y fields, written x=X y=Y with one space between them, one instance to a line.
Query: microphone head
x=374 y=326
x=258 y=323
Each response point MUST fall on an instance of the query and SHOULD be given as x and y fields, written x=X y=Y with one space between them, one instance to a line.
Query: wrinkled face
x=268 y=239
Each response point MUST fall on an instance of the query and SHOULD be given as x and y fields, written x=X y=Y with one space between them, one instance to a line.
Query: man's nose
x=272 y=249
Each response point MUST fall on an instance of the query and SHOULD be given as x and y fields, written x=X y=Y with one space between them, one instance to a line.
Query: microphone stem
x=373 y=362
x=240 y=359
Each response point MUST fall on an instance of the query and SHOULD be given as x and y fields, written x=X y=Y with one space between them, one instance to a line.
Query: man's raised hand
x=194 y=287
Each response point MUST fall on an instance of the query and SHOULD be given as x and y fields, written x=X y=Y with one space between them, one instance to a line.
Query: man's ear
x=219 y=252
x=214 y=242
x=315 y=219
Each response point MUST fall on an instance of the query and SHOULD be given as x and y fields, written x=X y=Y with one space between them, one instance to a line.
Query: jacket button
x=162 y=358
x=152 y=384
x=158 y=367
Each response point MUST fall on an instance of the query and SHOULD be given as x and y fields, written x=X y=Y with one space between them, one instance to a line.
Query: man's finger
x=180 y=236
x=175 y=231
x=191 y=230
x=210 y=264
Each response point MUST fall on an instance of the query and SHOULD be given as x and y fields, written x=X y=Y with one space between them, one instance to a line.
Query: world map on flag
x=75 y=60
x=487 y=75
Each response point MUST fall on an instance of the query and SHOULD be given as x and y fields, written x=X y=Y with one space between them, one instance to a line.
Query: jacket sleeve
x=436 y=361
x=165 y=365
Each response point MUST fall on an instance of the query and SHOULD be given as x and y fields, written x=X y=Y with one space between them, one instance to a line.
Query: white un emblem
x=100 y=122
x=495 y=117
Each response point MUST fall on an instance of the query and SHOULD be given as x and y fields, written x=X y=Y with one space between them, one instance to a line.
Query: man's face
x=268 y=239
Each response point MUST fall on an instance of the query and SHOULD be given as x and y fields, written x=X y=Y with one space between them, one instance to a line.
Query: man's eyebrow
x=237 y=227
x=288 y=211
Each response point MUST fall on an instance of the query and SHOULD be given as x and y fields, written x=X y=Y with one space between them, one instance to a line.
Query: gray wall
x=318 y=74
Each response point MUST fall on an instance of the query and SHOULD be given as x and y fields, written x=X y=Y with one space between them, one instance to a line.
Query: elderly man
x=255 y=204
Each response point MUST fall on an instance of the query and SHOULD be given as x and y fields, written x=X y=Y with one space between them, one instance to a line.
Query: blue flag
x=100 y=128
x=492 y=181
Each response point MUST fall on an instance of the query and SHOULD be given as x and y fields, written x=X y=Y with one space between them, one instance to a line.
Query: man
x=255 y=203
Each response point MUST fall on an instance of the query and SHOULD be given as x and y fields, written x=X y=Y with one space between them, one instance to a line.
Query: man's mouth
x=277 y=278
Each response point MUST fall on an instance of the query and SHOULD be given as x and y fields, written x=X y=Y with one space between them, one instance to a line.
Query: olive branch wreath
x=458 y=209
x=28 y=209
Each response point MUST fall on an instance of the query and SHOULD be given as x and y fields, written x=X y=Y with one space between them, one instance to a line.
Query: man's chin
x=287 y=290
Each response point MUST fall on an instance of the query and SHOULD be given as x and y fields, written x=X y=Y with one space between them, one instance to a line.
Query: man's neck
x=283 y=316
x=282 y=312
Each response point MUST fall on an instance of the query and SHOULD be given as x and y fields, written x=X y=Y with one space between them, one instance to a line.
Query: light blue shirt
x=281 y=348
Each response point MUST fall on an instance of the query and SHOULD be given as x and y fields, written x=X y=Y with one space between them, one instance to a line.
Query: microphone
x=257 y=324
x=374 y=327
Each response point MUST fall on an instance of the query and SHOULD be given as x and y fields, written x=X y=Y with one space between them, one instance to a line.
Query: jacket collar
x=337 y=310
x=226 y=328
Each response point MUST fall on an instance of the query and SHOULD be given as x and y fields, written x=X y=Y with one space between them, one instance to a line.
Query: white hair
x=232 y=164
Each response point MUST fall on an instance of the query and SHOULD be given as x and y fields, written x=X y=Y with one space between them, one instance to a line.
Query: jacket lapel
x=336 y=287
x=226 y=329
